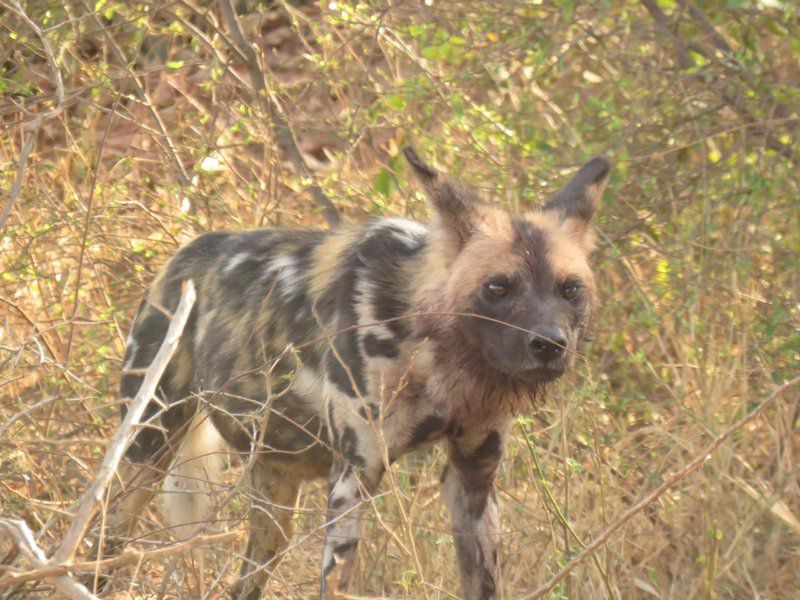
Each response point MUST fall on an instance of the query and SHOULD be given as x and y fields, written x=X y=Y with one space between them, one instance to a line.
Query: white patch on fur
x=193 y=476
x=411 y=233
x=234 y=261
x=132 y=347
x=365 y=309
x=309 y=385
x=345 y=487
x=284 y=269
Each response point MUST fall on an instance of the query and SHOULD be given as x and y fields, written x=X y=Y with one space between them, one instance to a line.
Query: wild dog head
x=511 y=293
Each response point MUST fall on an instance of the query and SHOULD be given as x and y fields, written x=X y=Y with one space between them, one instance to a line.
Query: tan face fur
x=518 y=290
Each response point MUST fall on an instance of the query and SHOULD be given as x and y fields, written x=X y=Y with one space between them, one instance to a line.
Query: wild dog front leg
x=357 y=471
x=468 y=491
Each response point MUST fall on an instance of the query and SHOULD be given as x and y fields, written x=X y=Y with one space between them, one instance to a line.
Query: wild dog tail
x=166 y=416
x=193 y=476
x=175 y=428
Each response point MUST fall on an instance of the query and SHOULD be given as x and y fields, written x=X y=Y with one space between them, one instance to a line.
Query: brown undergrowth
x=128 y=128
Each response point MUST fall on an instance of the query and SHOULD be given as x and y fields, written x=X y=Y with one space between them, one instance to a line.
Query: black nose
x=548 y=343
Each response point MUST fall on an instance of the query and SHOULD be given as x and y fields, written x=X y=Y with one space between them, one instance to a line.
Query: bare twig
x=18 y=530
x=129 y=557
x=727 y=95
x=284 y=133
x=669 y=482
x=38 y=121
x=87 y=505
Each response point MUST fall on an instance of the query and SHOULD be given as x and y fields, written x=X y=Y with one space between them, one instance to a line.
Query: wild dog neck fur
x=402 y=335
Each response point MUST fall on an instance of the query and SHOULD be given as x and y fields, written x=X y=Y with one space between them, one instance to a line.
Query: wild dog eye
x=570 y=291
x=498 y=288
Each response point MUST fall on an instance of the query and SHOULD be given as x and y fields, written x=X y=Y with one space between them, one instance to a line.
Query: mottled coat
x=332 y=353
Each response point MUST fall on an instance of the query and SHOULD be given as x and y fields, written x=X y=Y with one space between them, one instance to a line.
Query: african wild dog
x=403 y=335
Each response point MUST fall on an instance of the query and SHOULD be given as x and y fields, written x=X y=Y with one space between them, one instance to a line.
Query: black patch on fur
x=148 y=335
x=374 y=346
x=345 y=341
x=343 y=548
x=378 y=259
x=477 y=471
x=489 y=450
x=383 y=253
x=347 y=351
x=204 y=247
x=426 y=429
x=295 y=434
x=487 y=585
x=337 y=503
x=532 y=244
x=349 y=447
x=370 y=411
x=129 y=385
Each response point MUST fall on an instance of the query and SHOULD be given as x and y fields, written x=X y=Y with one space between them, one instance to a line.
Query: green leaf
x=384 y=182
x=395 y=102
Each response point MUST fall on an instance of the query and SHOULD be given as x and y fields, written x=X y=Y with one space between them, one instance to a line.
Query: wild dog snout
x=547 y=344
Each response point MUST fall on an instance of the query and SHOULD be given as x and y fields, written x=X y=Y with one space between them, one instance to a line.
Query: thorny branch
x=130 y=556
x=87 y=506
x=18 y=530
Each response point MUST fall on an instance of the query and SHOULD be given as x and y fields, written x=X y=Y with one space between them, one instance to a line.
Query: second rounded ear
x=581 y=196
x=422 y=170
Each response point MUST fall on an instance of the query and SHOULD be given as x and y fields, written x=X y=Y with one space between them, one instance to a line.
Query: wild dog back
x=333 y=353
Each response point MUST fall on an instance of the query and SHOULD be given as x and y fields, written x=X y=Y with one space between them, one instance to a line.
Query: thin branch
x=15 y=189
x=18 y=530
x=129 y=557
x=87 y=505
x=284 y=133
x=727 y=95
x=669 y=482
x=37 y=122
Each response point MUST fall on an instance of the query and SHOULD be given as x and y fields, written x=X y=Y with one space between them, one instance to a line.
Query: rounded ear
x=426 y=174
x=456 y=208
x=580 y=198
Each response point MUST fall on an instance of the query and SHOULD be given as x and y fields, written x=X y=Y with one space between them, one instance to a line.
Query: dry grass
x=155 y=134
